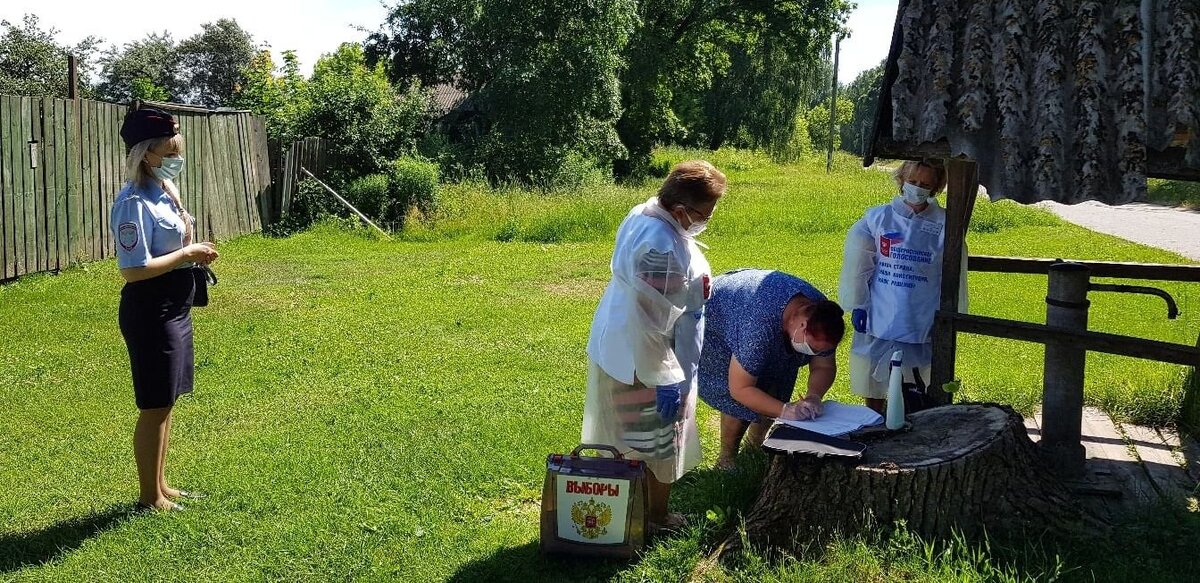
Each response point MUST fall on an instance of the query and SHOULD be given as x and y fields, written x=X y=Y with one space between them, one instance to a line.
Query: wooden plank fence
x=61 y=167
x=286 y=162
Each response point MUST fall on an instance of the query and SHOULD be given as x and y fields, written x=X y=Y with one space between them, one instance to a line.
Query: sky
x=314 y=27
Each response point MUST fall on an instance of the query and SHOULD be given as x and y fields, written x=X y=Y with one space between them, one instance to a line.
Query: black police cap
x=146 y=123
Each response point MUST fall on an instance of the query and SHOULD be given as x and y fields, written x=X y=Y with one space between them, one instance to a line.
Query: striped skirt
x=624 y=417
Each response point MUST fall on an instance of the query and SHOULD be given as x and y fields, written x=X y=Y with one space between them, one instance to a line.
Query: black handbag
x=204 y=277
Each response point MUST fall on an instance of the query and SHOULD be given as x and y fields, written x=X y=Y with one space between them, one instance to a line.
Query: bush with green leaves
x=365 y=119
x=818 y=123
x=310 y=203
x=370 y=194
x=412 y=183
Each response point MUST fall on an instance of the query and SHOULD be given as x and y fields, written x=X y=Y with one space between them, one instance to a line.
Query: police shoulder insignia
x=591 y=518
x=127 y=234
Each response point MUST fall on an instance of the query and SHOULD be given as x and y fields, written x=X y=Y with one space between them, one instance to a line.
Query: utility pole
x=837 y=49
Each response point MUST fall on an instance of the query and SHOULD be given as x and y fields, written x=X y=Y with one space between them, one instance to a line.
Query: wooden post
x=72 y=77
x=962 y=186
x=837 y=49
x=1062 y=388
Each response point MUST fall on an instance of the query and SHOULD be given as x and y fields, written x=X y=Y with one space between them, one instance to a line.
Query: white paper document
x=839 y=419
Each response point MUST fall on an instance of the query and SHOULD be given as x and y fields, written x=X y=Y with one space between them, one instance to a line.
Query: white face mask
x=696 y=228
x=169 y=168
x=803 y=347
x=914 y=194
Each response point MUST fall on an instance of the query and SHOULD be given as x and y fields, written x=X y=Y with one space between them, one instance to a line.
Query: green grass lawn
x=1175 y=193
x=381 y=410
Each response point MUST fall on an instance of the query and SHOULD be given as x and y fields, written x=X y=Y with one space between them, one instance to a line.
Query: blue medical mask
x=170 y=168
x=914 y=194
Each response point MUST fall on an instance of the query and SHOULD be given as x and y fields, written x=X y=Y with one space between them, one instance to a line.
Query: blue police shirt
x=145 y=224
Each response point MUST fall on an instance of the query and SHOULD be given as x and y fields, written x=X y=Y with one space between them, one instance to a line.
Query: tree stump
x=967 y=467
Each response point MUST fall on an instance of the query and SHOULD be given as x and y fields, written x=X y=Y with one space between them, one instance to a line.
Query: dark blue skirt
x=156 y=322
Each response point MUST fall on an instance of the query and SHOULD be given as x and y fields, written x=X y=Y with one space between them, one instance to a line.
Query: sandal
x=192 y=495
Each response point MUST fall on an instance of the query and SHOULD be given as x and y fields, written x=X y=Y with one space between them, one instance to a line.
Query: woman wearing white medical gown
x=891 y=282
x=644 y=349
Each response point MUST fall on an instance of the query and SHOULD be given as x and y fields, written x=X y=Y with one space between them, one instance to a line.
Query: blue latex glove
x=858 y=319
x=668 y=400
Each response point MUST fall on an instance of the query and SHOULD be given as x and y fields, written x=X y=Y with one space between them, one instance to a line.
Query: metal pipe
x=1172 y=308
x=1062 y=388
x=345 y=202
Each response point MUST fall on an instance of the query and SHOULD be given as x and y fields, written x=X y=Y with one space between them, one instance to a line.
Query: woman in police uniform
x=155 y=254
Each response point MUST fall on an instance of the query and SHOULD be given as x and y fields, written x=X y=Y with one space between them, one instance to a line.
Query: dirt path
x=1175 y=230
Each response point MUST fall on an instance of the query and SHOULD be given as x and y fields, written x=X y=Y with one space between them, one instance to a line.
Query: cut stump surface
x=968 y=467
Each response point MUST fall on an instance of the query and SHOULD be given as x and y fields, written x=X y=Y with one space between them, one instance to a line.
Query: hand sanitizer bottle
x=895 y=400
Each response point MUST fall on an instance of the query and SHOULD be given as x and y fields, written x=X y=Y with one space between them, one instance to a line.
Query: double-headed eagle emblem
x=591 y=518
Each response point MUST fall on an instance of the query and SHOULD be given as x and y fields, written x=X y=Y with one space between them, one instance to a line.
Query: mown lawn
x=381 y=410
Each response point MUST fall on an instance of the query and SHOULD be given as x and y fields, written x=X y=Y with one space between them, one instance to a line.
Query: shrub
x=309 y=204
x=369 y=194
x=365 y=119
x=412 y=182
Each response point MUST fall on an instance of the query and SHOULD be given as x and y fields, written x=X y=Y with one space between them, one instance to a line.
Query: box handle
x=597 y=447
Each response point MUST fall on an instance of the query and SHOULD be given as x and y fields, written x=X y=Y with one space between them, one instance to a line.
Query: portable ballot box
x=594 y=506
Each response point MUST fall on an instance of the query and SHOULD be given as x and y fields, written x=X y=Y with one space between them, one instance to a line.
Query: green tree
x=864 y=93
x=755 y=102
x=693 y=72
x=145 y=89
x=34 y=62
x=749 y=62
x=418 y=40
x=212 y=62
x=355 y=107
x=545 y=73
x=153 y=60
x=275 y=93
x=818 y=123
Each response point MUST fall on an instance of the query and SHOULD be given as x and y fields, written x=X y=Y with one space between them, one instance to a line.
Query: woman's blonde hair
x=136 y=170
x=909 y=166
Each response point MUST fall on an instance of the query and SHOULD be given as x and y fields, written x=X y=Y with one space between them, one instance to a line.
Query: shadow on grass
x=526 y=563
x=699 y=491
x=38 y=547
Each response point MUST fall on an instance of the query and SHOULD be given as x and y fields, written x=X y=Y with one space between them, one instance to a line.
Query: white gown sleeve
x=659 y=285
x=858 y=266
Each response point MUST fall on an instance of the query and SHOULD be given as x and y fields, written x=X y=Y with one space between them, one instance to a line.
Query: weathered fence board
x=34 y=259
x=62 y=165
x=6 y=235
x=309 y=153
